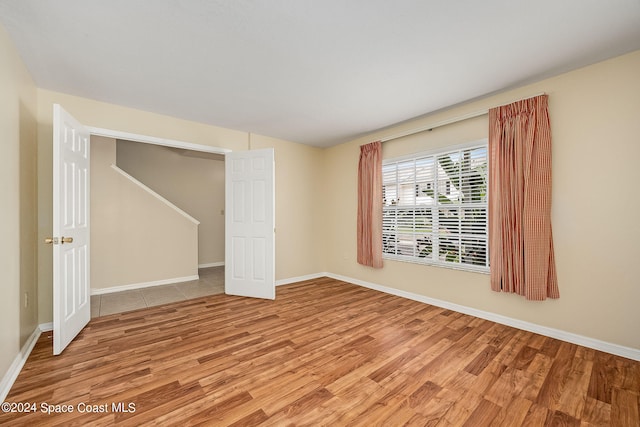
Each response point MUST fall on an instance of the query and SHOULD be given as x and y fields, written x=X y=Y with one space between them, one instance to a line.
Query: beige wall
x=595 y=119
x=299 y=209
x=300 y=165
x=135 y=237
x=192 y=180
x=17 y=204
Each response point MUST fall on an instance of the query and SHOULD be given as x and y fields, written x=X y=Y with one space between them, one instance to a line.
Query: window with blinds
x=435 y=208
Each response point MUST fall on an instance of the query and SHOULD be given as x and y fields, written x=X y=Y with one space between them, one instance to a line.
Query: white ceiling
x=317 y=72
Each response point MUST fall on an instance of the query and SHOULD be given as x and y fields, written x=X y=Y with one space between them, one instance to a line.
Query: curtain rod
x=452 y=120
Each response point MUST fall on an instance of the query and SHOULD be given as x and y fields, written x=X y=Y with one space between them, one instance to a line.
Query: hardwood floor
x=323 y=353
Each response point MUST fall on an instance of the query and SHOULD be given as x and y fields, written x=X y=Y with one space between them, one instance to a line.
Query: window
x=435 y=208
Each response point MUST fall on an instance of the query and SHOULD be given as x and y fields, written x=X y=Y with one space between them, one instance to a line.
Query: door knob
x=55 y=240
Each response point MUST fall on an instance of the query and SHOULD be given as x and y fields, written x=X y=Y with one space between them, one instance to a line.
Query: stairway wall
x=136 y=237
x=192 y=180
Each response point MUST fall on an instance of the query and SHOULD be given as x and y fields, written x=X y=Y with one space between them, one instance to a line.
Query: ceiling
x=318 y=72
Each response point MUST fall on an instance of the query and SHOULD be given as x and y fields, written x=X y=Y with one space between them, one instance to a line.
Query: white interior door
x=71 y=298
x=250 y=224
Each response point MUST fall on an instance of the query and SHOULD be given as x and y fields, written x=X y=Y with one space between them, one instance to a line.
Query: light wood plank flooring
x=323 y=353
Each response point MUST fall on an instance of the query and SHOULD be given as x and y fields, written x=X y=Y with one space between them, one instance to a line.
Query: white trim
x=470 y=268
x=155 y=140
x=154 y=194
x=211 y=264
x=300 y=278
x=618 y=350
x=46 y=327
x=19 y=361
x=134 y=286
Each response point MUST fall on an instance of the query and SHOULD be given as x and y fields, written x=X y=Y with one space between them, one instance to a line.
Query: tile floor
x=211 y=282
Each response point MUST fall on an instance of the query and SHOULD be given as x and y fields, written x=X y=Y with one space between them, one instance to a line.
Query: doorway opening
x=150 y=195
x=249 y=222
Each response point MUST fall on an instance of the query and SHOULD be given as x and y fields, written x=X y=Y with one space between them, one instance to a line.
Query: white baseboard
x=135 y=286
x=300 y=279
x=46 y=327
x=19 y=361
x=607 y=347
x=211 y=264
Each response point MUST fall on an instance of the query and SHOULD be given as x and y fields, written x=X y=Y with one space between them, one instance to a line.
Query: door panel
x=71 y=296
x=250 y=224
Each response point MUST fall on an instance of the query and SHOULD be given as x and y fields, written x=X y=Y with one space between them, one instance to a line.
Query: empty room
x=300 y=212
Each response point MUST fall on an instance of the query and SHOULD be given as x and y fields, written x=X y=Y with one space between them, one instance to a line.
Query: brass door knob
x=55 y=240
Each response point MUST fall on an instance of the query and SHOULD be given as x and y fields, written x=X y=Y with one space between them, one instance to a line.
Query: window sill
x=450 y=266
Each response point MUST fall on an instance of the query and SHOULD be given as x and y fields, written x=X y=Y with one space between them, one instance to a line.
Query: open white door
x=250 y=224
x=71 y=299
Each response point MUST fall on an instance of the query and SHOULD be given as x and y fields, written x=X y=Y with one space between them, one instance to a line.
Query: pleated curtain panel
x=370 y=205
x=520 y=236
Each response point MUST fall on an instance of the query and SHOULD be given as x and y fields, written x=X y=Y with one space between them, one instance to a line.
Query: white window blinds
x=435 y=208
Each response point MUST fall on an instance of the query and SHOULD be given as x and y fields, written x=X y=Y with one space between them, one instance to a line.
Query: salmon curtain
x=520 y=237
x=370 y=205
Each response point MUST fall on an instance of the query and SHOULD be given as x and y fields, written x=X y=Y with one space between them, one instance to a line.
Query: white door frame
x=155 y=140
